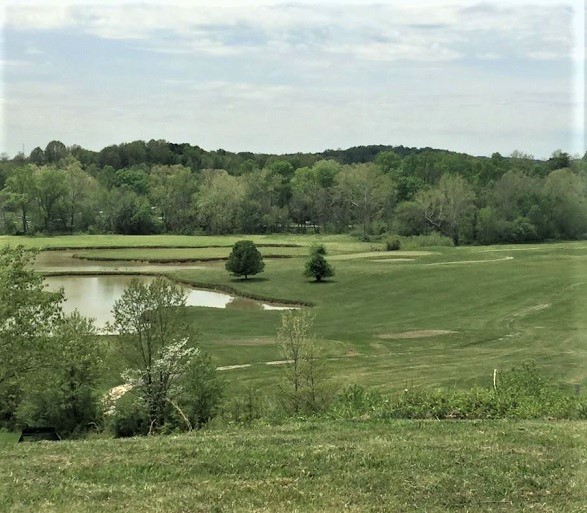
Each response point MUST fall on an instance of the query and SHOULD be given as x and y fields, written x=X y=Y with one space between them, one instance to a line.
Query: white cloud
x=422 y=31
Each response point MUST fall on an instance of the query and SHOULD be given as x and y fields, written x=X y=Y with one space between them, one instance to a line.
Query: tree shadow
x=323 y=282
x=252 y=279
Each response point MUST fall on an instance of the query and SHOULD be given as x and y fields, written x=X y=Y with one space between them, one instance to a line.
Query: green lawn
x=487 y=307
x=308 y=467
x=502 y=307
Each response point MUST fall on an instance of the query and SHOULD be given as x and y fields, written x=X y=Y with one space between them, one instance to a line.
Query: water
x=94 y=296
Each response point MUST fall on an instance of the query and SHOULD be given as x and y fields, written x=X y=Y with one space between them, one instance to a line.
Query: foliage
x=174 y=382
x=145 y=187
x=154 y=342
x=128 y=418
x=522 y=392
x=393 y=244
x=245 y=259
x=305 y=389
x=28 y=316
x=201 y=392
x=317 y=266
x=65 y=394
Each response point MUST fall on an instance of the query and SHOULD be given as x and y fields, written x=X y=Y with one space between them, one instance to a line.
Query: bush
x=393 y=245
x=128 y=418
x=521 y=393
x=428 y=240
x=317 y=266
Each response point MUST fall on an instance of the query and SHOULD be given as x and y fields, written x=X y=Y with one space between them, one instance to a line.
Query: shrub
x=317 y=266
x=393 y=245
x=128 y=418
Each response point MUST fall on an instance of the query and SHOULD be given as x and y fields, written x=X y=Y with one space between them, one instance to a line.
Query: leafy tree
x=219 y=201
x=171 y=191
x=21 y=192
x=128 y=213
x=363 y=193
x=29 y=315
x=65 y=394
x=317 y=266
x=55 y=151
x=260 y=206
x=155 y=342
x=51 y=188
x=559 y=160
x=200 y=393
x=305 y=388
x=245 y=259
x=312 y=190
x=37 y=156
x=566 y=203
x=448 y=207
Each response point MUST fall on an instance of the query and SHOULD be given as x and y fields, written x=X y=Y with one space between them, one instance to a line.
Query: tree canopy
x=245 y=259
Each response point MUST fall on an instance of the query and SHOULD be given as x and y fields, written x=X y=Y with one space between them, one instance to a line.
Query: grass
x=503 y=305
x=309 y=466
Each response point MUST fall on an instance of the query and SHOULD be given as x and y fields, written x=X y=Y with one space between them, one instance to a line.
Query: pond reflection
x=94 y=296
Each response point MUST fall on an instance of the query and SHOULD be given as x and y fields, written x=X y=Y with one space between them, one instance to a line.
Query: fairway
x=387 y=319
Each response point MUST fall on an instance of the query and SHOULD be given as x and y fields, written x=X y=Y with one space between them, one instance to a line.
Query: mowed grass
x=501 y=304
x=502 y=307
x=322 y=466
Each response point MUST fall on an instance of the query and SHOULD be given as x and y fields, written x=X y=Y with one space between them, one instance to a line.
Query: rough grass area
x=309 y=466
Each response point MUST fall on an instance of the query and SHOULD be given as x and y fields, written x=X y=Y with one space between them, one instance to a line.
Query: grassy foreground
x=309 y=466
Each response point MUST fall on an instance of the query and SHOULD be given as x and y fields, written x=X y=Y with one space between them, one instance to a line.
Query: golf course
x=389 y=321
x=420 y=316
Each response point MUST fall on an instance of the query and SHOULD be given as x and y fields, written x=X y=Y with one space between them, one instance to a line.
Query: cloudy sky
x=278 y=76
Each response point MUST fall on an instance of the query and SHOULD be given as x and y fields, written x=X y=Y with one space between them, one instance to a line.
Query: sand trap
x=388 y=260
x=416 y=334
x=473 y=261
x=506 y=249
x=372 y=254
x=232 y=367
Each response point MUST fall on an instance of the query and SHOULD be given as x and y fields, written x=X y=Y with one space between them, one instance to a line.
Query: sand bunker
x=416 y=334
x=374 y=254
x=473 y=261
x=388 y=260
x=231 y=367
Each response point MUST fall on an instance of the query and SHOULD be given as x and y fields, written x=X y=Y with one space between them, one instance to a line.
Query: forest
x=369 y=191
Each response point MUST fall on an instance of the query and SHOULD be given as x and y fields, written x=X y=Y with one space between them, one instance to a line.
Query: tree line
x=161 y=187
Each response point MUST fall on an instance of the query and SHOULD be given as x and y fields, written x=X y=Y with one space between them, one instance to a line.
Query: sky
x=282 y=77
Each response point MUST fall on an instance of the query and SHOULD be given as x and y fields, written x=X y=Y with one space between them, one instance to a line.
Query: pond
x=94 y=296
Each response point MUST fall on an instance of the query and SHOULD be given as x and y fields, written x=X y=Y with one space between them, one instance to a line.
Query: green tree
x=364 y=194
x=305 y=388
x=29 y=316
x=66 y=394
x=51 y=187
x=155 y=342
x=55 y=151
x=317 y=266
x=171 y=191
x=448 y=207
x=245 y=259
x=21 y=192
x=219 y=201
